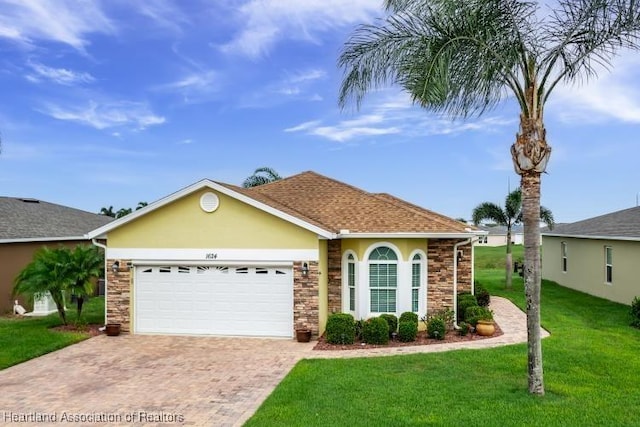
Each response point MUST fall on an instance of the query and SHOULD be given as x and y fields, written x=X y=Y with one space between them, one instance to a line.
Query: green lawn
x=28 y=337
x=591 y=364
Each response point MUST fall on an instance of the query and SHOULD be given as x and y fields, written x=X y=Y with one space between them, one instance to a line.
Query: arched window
x=416 y=280
x=351 y=281
x=383 y=280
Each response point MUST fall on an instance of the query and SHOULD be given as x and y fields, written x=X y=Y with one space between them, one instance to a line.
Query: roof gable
x=23 y=219
x=620 y=224
x=325 y=206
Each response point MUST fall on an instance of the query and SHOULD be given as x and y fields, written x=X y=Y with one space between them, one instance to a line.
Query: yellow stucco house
x=598 y=255
x=217 y=259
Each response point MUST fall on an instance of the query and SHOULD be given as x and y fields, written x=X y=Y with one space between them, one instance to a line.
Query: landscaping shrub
x=392 y=321
x=436 y=328
x=409 y=316
x=407 y=331
x=482 y=295
x=375 y=331
x=465 y=300
x=635 y=312
x=341 y=329
x=464 y=329
x=359 y=327
x=473 y=314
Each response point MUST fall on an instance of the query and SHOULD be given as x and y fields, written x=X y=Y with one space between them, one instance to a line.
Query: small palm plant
x=261 y=176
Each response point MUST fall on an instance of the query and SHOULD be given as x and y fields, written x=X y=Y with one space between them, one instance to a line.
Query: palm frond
x=513 y=206
x=546 y=216
x=489 y=211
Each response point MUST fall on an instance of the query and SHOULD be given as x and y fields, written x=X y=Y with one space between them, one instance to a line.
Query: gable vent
x=209 y=202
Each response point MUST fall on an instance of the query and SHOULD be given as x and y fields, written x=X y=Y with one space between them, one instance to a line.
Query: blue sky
x=116 y=102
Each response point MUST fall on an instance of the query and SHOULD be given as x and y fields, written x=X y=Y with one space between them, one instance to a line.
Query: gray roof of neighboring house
x=623 y=224
x=32 y=219
x=500 y=230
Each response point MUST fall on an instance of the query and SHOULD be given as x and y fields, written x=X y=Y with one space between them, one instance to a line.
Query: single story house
x=598 y=255
x=218 y=259
x=28 y=224
x=497 y=235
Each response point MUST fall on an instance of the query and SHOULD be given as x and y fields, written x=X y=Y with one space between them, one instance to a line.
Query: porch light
x=305 y=269
x=115 y=267
x=459 y=257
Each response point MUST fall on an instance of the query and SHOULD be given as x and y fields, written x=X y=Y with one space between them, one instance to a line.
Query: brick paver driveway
x=154 y=380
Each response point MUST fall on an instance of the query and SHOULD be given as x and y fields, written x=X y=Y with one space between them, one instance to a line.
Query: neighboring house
x=497 y=235
x=598 y=256
x=28 y=224
x=218 y=259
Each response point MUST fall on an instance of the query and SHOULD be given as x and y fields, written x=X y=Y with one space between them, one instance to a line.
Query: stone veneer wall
x=334 y=281
x=440 y=273
x=306 y=308
x=119 y=294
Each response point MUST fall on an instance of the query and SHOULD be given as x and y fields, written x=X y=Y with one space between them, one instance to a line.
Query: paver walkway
x=191 y=381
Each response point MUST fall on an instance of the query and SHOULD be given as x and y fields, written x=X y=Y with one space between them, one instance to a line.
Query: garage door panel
x=219 y=300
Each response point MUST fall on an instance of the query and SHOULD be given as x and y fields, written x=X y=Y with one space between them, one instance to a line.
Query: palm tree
x=508 y=216
x=123 y=212
x=48 y=272
x=141 y=205
x=261 y=176
x=462 y=57
x=108 y=212
x=85 y=265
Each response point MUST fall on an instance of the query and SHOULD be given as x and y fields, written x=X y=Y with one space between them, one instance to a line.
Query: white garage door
x=216 y=300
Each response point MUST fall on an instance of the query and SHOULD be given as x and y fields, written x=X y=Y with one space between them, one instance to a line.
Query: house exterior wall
x=119 y=295
x=334 y=276
x=586 y=266
x=440 y=273
x=323 y=285
x=406 y=246
x=306 y=301
x=14 y=257
x=234 y=225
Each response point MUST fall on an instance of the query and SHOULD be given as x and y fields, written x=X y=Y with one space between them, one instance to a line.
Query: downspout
x=455 y=280
x=100 y=245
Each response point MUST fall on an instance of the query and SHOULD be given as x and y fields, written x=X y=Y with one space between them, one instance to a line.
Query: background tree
x=123 y=212
x=463 y=57
x=108 y=212
x=507 y=217
x=141 y=205
x=47 y=272
x=261 y=176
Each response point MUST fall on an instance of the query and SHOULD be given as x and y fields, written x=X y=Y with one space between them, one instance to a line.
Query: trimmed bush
x=375 y=331
x=341 y=328
x=464 y=329
x=436 y=328
x=409 y=316
x=482 y=295
x=465 y=300
x=635 y=312
x=392 y=321
x=407 y=331
x=473 y=314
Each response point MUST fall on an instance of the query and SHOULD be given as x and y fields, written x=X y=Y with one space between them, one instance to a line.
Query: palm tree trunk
x=509 y=263
x=530 y=185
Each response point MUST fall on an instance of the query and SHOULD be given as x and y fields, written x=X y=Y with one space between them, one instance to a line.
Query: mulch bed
x=91 y=329
x=421 y=339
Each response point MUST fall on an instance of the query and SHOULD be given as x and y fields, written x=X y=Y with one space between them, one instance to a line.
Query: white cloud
x=393 y=114
x=107 y=115
x=613 y=95
x=194 y=86
x=294 y=86
x=163 y=13
x=265 y=22
x=57 y=75
x=62 y=21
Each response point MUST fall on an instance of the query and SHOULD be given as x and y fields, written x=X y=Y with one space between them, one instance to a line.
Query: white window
x=563 y=249
x=416 y=279
x=351 y=281
x=383 y=280
x=608 y=264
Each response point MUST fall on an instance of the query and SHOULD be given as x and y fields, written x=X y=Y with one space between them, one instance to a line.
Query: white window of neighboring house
x=383 y=280
x=563 y=249
x=608 y=264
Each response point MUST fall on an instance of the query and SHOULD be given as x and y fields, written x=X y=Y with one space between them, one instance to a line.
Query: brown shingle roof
x=334 y=206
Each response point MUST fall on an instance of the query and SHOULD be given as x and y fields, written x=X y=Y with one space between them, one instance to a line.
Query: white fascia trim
x=217 y=255
x=43 y=239
x=206 y=183
x=580 y=236
x=408 y=235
